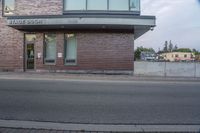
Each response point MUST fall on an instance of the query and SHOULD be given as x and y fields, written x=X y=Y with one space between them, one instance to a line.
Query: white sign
x=26 y=22
x=60 y=55
x=39 y=55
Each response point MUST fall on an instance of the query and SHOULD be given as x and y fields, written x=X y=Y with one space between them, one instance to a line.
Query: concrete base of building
x=11 y=70
x=106 y=72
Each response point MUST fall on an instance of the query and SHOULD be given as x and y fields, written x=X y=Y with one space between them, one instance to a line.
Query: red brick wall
x=107 y=51
x=96 y=51
x=11 y=40
x=11 y=46
x=38 y=7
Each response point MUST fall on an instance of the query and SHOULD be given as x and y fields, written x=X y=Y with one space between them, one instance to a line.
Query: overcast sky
x=176 y=20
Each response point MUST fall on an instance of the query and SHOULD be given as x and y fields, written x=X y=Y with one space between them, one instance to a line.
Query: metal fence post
x=165 y=71
x=195 y=69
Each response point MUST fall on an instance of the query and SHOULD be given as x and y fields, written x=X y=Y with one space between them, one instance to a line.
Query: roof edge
x=83 y=16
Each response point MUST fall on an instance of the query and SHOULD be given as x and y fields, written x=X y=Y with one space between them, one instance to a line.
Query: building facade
x=178 y=56
x=147 y=56
x=70 y=35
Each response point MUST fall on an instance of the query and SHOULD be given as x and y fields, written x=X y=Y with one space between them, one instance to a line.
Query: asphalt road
x=100 y=102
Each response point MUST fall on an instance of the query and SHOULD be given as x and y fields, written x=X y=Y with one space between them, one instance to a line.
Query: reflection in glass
x=30 y=37
x=102 y=5
x=97 y=4
x=50 y=48
x=9 y=7
x=75 y=4
x=30 y=56
x=119 y=5
x=135 y=5
x=70 y=49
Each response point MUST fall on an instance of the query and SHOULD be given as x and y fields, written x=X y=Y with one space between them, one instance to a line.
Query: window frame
x=185 y=56
x=3 y=9
x=65 y=53
x=138 y=7
x=44 y=50
x=95 y=12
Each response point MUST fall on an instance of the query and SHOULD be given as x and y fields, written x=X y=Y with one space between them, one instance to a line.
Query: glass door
x=30 y=56
x=29 y=51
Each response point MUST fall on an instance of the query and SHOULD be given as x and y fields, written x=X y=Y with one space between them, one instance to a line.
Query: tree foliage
x=196 y=52
x=183 y=50
x=168 y=47
x=171 y=46
x=165 y=49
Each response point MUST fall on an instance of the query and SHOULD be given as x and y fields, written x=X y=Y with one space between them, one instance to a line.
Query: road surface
x=100 y=102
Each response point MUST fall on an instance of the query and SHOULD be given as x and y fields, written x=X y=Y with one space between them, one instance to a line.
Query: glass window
x=135 y=5
x=70 y=49
x=50 y=48
x=75 y=4
x=97 y=4
x=119 y=5
x=30 y=37
x=9 y=6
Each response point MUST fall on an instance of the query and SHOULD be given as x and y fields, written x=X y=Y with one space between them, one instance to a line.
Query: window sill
x=49 y=64
x=71 y=64
x=100 y=12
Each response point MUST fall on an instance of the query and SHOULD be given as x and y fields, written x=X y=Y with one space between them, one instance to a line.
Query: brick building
x=70 y=35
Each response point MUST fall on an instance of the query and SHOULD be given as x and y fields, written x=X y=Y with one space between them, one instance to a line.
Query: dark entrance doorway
x=29 y=51
x=30 y=56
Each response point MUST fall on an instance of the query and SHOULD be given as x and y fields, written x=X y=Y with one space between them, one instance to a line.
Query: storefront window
x=119 y=5
x=75 y=4
x=8 y=7
x=97 y=4
x=70 y=49
x=50 y=48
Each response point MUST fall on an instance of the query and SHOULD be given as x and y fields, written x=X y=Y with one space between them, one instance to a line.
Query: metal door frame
x=25 y=53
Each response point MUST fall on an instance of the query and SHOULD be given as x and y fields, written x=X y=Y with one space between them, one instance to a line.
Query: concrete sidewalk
x=11 y=126
x=97 y=77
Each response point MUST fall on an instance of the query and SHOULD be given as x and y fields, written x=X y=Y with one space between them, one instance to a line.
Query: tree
x=170 y=46
x=175 y=48
x=183 y=50
x=165 y=49
x=196 y=52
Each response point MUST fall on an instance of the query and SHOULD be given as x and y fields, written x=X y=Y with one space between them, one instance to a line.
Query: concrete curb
x=117 y=81
x=98 y=128
x=93 y=77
